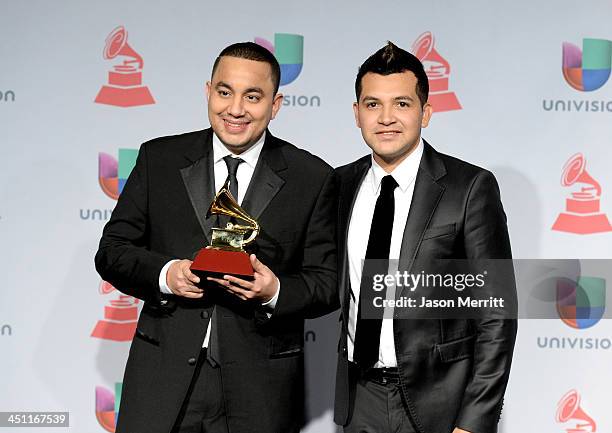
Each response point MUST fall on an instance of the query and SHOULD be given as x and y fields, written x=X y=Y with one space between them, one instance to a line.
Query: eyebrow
x=249 y=90
x=398 y=98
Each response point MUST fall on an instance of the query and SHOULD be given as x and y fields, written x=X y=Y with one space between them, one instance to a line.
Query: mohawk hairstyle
x=391 y=59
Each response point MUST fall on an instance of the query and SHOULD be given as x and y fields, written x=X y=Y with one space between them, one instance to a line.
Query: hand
x=262 y=288
x=182 y=281
x=459 y=430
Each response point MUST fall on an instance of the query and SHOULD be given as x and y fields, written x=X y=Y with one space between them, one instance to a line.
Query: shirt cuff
x=271 y=303
x=163 y=287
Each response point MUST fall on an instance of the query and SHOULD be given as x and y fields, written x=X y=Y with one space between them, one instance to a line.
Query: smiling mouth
x=234 y=126
x=387 y=133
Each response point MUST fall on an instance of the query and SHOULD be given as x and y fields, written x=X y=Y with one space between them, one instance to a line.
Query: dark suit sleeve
x=486 y=237
x=313 y=291
x=124 y=258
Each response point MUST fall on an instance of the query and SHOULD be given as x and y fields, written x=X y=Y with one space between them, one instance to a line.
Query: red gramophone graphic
x=120 y=317
x=124 y=87
x=438 y=71
x=569 y=409
x=582 y=213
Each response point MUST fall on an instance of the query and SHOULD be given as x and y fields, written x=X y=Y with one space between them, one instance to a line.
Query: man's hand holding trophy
x=226 y=262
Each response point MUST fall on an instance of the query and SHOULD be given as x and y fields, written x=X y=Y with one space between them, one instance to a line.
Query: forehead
x=243 y=73
x=393 y=85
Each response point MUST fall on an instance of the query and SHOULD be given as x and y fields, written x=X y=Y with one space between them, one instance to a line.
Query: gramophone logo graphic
x=581 y=303
x=569 y=412
x=289 y=51
x=113 y=173
x=589 y=69
x=438 y=73
x=124 y=88
x=582 y=214
x=120 y=317
x=107 y=406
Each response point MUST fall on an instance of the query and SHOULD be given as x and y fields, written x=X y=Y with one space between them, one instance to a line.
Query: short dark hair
x=251 y=51
x=391 y=59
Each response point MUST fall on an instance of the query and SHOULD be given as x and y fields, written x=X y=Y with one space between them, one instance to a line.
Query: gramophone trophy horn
x=226 y=254
x=116 y=44
x=569 y=409
x=575 y=171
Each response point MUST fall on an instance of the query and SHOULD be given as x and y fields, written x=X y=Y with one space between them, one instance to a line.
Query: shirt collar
x=250 y=156
x=404 y=174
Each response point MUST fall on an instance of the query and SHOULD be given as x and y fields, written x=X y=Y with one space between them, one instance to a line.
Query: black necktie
x=232 y=168
x=367 y=334
x=213 y=344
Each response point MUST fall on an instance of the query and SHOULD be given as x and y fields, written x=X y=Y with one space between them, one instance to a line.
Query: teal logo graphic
x=581 y=304
x=289 y=51
x=589 y=69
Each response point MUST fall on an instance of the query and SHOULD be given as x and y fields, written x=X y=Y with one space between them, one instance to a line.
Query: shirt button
x=191 y=361
x=205 y=314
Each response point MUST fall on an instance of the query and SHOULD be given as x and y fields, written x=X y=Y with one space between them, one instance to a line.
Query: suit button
x=191 y=361
x=205 y=314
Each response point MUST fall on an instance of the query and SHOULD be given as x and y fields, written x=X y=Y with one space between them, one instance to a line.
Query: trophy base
x=446 y=101
x=107 y=330
x=582 y=224
x=124 y=97
x=210 y=262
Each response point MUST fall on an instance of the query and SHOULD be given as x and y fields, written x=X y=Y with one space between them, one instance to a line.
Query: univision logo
x=113 y=173
x=585 y=70
x=112 y=176
x=589 y=69
x=288 y=48
x=581 y=304
x=107 y=406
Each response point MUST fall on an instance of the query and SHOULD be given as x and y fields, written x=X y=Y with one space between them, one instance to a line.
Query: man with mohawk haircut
x=405 y=201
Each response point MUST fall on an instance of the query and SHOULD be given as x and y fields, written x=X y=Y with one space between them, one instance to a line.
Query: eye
x=403 y=104
x=223 y=93
x=371 y=104
x=253 y=98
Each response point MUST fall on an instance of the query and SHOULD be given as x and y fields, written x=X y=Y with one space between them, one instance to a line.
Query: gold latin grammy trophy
x=226 y=254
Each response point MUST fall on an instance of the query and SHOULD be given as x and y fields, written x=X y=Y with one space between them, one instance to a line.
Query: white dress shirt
x=244 y=175
x=359 y=232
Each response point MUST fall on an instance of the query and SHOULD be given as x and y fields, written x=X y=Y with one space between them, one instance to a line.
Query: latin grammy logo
x=120 y=317
x=438 y=72
x=569 y=409
x=124 y=87
x=582 y=214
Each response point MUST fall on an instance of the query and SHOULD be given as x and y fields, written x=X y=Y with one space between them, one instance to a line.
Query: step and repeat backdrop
x=521 y=88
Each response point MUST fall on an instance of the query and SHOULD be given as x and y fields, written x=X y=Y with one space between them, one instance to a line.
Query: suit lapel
x=266 y=182
x=426 y=196
x=199 y=180
x=348 y=194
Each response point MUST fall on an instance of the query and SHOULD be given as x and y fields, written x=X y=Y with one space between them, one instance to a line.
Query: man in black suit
x=408 y=202
x=222 y=356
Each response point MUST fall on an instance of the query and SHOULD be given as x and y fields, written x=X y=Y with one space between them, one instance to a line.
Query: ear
x=208 y=90
x=276 y=104
x=427 y=112
x=356 y=111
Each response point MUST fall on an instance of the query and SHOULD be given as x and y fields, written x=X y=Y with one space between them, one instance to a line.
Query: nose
x=386 y=116
x=236 y=107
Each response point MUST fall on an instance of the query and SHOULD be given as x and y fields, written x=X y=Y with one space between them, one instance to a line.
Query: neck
x=388 y=164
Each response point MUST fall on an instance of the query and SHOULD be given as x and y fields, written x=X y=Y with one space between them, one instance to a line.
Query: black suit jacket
x=453 y=372
x=161 y=215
